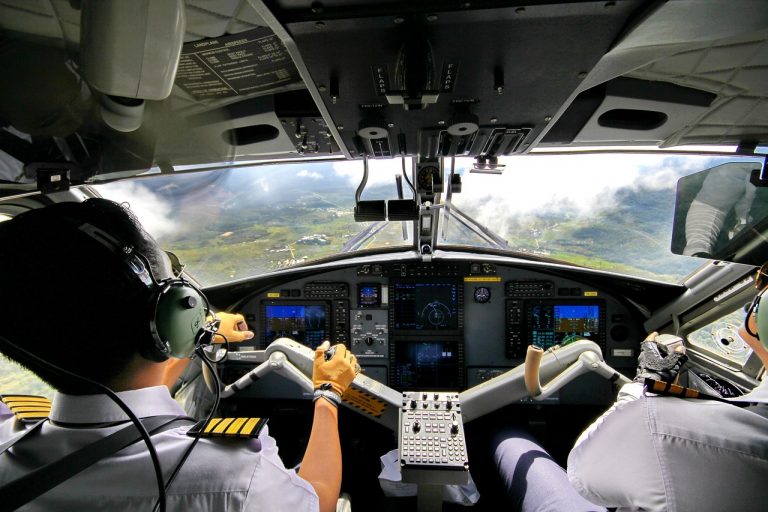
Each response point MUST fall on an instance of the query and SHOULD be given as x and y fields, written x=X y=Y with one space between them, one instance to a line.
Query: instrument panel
x=442 y=325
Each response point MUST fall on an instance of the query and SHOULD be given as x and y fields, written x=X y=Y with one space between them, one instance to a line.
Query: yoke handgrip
x=532 y=365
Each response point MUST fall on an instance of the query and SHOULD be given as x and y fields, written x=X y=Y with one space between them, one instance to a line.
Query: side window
x=16 y=380
x=721 y=337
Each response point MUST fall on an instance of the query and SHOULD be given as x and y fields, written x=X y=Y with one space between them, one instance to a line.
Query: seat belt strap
x=12 y=441
x=22 y=490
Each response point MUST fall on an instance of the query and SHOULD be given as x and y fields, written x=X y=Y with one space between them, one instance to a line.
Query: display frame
x=329 y=320
x=600 y=337
x=361 y=287
x=394 y=310
x=399 y=343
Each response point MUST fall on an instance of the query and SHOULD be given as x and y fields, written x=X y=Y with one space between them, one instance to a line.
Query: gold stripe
x=482 y=279
x=222 y=426
x=36 y=399
x=234 y=428
x=44 y=409
x=29 y=404
x=249 y=426
x=211 y=424
x=677 y=390
x=27 y=415
x=691 y=393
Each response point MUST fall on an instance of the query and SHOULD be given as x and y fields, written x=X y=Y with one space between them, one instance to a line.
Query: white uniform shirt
x=655 y=453
x=220 y=474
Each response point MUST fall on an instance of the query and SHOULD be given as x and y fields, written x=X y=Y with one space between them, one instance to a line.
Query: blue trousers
x=534 y=482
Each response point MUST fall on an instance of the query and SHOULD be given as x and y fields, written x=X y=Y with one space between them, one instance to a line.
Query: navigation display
x=426 y=365
x=552 y=324
x=432 y=306
x=305 y=323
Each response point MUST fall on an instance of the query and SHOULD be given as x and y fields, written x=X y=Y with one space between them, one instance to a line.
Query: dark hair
x=67 y=298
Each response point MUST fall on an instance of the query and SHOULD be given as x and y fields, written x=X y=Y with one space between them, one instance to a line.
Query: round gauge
x=428 y=175
x=482 y=294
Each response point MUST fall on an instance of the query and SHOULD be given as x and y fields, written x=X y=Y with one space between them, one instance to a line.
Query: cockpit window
x=722 y=337
x=235 y=223
x=15 y=379
x=605 y=211
x=608 y=211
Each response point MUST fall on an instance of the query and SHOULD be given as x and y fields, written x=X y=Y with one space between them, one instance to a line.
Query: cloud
x=153 y=211
x=380 y=172
x=565 y=185
x=309 y=174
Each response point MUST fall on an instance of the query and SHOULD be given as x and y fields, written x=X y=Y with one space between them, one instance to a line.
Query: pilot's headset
x=176 y=310
x=760 y=310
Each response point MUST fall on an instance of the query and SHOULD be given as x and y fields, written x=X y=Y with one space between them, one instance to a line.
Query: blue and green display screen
x=552 y=324
x=306 y=324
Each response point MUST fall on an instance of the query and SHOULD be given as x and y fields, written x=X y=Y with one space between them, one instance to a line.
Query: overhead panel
x=432 y=81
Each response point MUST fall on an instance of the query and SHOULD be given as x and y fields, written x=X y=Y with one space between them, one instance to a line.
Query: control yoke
x=587 y=361
x=557 y=366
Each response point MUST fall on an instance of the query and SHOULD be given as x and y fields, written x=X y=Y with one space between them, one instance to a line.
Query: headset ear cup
x=178 y=319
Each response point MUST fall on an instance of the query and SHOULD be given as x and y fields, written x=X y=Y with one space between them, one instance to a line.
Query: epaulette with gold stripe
x=668 y=389
x=27 y=408
x=229 y=427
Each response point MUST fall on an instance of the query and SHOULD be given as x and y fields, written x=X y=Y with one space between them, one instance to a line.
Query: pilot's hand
x=232 y=327
x=657 y=362
x=335 y=368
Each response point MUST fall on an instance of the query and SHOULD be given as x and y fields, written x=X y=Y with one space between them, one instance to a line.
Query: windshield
x=229 y=224
x=605 y=211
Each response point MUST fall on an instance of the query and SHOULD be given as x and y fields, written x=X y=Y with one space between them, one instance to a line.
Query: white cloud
x=579 y=185
x=309 y=174
x=152 y=210
x=380 y=172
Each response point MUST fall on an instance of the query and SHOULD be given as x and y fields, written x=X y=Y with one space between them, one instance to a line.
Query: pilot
x=655 y=453
x=666 y=453
x=70 y=298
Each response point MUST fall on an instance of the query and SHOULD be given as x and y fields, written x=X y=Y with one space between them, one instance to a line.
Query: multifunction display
x=305 y=323
x=426 y=306
x=429 y=364
x=546 y=323
x=552 y=324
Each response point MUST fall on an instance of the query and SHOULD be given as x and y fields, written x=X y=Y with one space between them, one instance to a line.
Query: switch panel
x=370 y=333
x=432 y=445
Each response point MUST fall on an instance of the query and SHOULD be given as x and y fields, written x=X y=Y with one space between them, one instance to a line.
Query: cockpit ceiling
x=60 y=19
x=431 y=79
